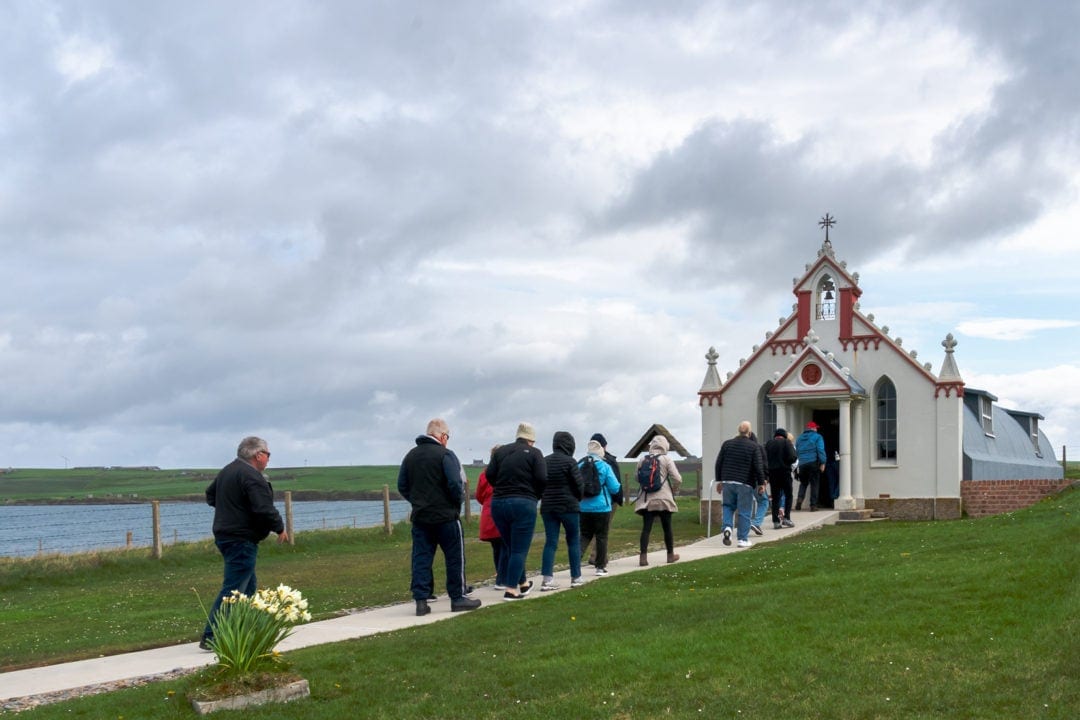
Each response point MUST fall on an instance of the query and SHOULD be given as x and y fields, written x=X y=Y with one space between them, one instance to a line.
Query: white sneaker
x=727 y=536
x=577 y=582
x=745 y=543
x=601 y=571
x=544 y=587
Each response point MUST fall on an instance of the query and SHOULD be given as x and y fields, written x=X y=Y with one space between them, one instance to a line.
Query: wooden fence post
x=288 y=517
x=388 y=527
x=156 y=505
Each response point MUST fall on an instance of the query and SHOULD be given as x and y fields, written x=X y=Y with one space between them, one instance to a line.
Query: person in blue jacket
x=596 y=510
x=811 y=449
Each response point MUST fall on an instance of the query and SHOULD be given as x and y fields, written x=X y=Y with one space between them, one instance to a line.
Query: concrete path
x=158 y=661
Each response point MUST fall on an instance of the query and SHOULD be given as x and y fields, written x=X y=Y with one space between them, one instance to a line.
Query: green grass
x=964 y=619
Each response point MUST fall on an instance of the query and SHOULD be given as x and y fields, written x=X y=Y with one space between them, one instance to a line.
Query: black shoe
x=526 y=588
x=462 y=604
x=422 y=608
x=798 y=505
x=204 y=644
x=756 y=529
x=813 y=508
x=469 y=589
x=432 y=597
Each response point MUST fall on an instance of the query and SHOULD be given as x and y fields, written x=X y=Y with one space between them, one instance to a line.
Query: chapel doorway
x=828 y=422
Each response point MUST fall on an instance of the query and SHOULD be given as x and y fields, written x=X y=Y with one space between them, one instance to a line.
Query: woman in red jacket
x=488 y=532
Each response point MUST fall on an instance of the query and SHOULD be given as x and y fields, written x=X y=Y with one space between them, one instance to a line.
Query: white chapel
x=901 y=439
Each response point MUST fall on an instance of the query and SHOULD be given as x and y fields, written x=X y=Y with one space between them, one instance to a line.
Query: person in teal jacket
x=811 y=448
x=596 y=510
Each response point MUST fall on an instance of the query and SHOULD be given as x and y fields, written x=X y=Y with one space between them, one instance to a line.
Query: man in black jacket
x=244 y=514
x=430 y=479
x=780 y=455
x=740 y=470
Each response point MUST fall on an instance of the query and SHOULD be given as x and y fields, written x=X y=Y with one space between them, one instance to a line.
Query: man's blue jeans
x=239 y=558
x=738 y=497
x=553 y=521
x=761 y=506
x=515 y=518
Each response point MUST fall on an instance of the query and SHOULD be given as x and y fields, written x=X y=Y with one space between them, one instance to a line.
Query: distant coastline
x=279 y=495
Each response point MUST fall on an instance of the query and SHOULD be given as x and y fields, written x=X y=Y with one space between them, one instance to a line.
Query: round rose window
x=811 y=374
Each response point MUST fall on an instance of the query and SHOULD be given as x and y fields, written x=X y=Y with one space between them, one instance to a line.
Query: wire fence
x=28 y=530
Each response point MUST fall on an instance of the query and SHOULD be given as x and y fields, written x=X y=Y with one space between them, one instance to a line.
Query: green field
x=123 y=484
x=134 y=485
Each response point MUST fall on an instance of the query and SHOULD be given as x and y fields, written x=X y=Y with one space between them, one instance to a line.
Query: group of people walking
x=574 y=498
x=743 y=466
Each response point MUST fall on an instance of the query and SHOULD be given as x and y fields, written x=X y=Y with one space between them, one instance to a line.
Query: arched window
x=767 y=423
x=885 y=421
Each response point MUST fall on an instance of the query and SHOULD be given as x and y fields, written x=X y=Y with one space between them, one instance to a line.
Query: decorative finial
x=827 y=222
x=712 y=356
x=949 y=343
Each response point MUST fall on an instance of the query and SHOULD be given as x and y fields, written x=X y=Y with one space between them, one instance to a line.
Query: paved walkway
x=160 y=661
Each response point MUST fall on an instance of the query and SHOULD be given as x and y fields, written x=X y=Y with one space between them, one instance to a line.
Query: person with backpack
x=658 y=481
x=600 y=487
x=559 y=509
x=616 y=498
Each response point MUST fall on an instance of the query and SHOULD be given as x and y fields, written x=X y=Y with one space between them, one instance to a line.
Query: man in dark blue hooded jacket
x=430 y=479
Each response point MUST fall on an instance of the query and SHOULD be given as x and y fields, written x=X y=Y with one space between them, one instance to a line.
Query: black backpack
x=591 y=476
x=649 y=475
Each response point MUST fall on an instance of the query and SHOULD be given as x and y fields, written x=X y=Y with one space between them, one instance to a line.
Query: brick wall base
x=990 y=497
x=978 y=498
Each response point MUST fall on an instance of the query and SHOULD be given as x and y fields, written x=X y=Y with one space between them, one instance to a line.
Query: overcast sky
x=327 y=222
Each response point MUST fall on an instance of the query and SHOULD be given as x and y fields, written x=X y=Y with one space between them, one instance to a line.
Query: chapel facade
x=900 y=438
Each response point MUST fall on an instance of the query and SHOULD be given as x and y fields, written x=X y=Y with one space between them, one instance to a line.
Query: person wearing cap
x=616 y=497
x=596 y=510
x=740 y=470
x=517 y=474
x=780 y=455
x=811 y=449
x=430 y=480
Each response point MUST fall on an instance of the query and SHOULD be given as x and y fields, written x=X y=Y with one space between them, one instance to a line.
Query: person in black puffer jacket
x=559 y=508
